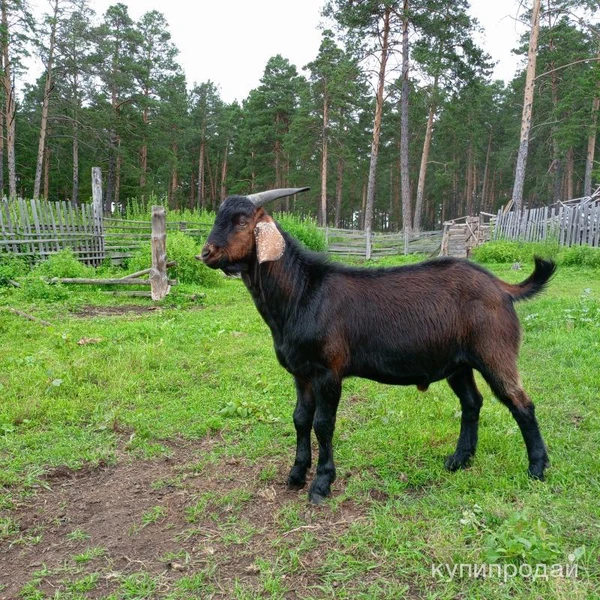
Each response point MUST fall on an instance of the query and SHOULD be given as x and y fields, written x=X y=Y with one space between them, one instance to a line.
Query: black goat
x=409 y=325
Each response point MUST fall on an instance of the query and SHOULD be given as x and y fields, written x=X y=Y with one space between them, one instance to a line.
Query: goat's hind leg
x=506 y=385
x=303 y=422
x=463 y=385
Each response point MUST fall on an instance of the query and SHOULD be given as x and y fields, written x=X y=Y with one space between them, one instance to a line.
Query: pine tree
x=16 y=29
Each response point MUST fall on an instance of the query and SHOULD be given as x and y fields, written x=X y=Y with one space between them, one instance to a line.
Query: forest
x=396 y=118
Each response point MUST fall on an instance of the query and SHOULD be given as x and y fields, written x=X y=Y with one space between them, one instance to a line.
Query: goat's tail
x=535 y=283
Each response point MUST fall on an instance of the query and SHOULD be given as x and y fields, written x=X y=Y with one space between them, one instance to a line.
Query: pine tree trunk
x=277 y=157
x=118 y=169
x=211 y=185
x=364 y=205
x=46 y=193
x=485 y=204
x=75 y=191
x=201 y=195
x=224 y=165
x=423 y=169
x=339 y=182
x=1 y=148
x=144 y=150
x=556 y=165
x=286 y=183
x=404 y=139
x=191 y=203
x=517 y=194
x=591 y=146
x=569 y=174
x=370 y=200
x=10 y=109
x=470 y=178
x=45 y=105
x=174 y=177
x=110 y=177
x=325 y=134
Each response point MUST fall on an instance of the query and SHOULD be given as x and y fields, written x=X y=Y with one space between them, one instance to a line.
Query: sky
x=230 y=42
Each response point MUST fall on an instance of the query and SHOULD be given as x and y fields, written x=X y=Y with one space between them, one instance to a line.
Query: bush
x=504 y=251
x=584 y=256
x=11 y=267
x=35 y=288
x=63 y=264
x=182 y=249
x=303 y=229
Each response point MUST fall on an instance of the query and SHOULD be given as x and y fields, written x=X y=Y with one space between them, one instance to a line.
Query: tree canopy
x=113 y=95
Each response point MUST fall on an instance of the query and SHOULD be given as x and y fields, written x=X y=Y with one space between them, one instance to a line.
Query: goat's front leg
x=327 y=390
x=463 y=384
x=303 y=421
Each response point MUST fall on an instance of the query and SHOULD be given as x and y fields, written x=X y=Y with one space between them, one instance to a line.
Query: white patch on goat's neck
x=270 y=244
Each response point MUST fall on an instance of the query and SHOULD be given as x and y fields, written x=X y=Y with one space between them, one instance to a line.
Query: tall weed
x=303 y=229
x=182 y=249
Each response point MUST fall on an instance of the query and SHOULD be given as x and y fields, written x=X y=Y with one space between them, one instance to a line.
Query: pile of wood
x=461 y=235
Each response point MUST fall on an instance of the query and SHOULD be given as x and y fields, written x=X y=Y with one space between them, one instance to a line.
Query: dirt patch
x=166 y=521
x=91 y=311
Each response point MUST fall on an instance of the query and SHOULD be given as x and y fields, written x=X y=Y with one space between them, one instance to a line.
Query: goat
x=409 y=325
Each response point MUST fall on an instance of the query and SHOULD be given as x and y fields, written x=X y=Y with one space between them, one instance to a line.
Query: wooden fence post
x=98 y=214
x=159 y=282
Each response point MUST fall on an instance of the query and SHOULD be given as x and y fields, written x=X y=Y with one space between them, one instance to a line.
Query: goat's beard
x=234 y=268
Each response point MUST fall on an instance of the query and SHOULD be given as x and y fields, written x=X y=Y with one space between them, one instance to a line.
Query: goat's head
x=243 y=232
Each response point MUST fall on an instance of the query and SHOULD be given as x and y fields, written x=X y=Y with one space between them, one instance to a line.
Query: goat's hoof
x=454 y=463
x=295 y=484
x=296 y=481
x=536 y=473
x=319 y=491
x=316 y=498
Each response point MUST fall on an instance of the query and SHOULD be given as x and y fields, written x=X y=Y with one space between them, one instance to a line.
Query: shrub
x=584 y=256
x=504 y=251
x=35 y=288
x=11 y=267
x=303 y=229
x=182 y=249
x=62 y=264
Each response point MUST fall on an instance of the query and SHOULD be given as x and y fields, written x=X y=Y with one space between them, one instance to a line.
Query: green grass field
x=190 y=400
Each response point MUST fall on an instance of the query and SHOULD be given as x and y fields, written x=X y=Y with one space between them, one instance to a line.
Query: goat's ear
x=270 y=244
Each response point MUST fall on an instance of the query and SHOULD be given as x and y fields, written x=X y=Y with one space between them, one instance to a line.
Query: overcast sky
x=231 y=42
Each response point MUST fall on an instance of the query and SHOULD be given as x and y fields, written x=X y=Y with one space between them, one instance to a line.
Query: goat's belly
x=391 y=379
x=394 y=373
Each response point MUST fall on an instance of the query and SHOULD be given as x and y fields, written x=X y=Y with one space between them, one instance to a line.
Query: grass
x=183 y=373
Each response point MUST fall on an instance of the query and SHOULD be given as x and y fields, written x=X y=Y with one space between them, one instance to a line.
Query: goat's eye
x=242 y=223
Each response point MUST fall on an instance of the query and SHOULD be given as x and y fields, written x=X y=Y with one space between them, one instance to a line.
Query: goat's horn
x=264 y=197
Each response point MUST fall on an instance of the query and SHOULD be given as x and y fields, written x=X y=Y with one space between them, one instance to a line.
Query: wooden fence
x=36 y=228
x=353 y=242
x=124 y=236
x=568 y=225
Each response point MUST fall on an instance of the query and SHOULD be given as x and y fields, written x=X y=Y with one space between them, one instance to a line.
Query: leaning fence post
x=159 y=282
x=98 y=213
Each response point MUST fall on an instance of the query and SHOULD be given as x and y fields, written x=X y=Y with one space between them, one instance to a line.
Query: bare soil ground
x=168 y=518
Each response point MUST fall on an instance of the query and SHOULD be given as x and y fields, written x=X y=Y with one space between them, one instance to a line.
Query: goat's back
x=415 y=322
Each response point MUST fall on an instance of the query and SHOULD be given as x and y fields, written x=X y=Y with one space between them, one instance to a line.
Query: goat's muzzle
x=209 y=255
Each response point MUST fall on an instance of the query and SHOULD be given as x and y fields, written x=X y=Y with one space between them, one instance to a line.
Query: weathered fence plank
x=159 y=280
x=570 y=225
